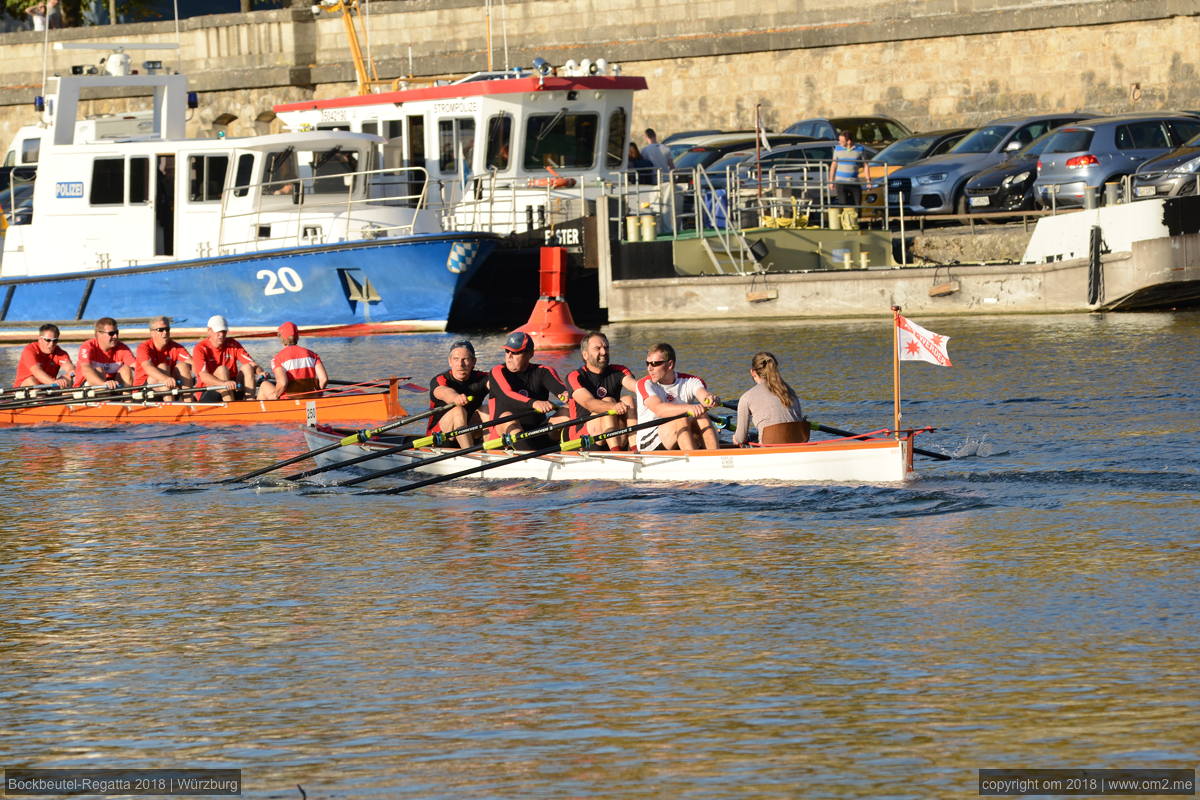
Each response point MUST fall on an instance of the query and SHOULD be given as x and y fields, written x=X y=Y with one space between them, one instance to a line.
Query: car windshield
x=904 y=151
x=1069 y=140
x=1036 y=147
x=696 y=157
x=870 y=130
x=721 y=164
x=983 y=140
x=1193 y=142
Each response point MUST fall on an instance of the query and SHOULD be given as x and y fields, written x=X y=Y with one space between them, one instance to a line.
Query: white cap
x=217 y=323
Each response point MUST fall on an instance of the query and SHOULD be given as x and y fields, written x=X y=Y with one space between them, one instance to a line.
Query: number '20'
x=284 y=279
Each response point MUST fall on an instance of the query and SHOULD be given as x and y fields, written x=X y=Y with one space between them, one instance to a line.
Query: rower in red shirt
x=105 y=360
x=42 y=359
x=218 y=359
x=161 y=359
x=297 y=370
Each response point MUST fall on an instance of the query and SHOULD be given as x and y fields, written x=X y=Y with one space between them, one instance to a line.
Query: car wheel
x=960 y=203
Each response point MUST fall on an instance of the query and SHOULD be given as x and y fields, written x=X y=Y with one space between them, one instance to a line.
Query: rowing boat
x=878 y=458
x=342 y=407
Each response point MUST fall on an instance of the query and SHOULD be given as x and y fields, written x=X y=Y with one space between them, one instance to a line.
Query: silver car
x=1169 y=175
x=1082 y=158
x=935 y=185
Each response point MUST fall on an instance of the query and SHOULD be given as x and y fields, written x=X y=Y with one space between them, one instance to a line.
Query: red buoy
x=550 y=325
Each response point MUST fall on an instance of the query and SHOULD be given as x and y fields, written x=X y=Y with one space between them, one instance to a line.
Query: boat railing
x=489 y=202
x=319 y=209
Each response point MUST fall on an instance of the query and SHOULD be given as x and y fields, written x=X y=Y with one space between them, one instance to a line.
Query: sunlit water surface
x=1031 y=603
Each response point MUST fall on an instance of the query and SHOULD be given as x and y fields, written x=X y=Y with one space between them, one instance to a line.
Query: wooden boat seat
x=785 y=433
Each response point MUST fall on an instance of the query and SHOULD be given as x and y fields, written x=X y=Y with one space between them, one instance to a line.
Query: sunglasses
x=656 y=363
x=161 y=330
x=111 y=333
x=50 y=341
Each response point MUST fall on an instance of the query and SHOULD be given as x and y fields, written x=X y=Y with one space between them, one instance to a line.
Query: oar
x=435 y=439
x=23 y=390
x=562 y=447
x=354 y=438
x=816 y=426
x=507 y=440
x=84 y=394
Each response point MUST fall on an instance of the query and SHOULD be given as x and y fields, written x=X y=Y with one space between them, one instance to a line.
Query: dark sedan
x=1008 y=186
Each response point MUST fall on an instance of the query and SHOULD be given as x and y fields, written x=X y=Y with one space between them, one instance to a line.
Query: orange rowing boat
x=336 y=406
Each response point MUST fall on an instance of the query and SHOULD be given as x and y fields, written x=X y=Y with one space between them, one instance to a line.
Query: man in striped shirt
x=844 y=183
x=297 y=370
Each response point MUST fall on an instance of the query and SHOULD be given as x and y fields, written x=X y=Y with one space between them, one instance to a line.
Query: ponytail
x=766 y=367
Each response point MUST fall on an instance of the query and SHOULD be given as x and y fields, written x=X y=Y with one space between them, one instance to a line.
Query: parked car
x=935 y=185
x=1008 y=186
x=1170 y=174
x=704 y=150
x=689 y=134
x=874 y=131
x=903 y=152
x=1085 y=156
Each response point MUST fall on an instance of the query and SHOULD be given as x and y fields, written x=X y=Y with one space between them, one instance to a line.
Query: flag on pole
x=914 y=343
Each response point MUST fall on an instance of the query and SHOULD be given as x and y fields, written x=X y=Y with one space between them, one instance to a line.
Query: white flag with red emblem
x=914 y=343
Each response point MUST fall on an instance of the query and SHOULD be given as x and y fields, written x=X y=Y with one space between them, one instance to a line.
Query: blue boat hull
x=383 y=285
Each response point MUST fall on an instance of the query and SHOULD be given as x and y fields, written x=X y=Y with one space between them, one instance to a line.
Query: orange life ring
x=552 y=183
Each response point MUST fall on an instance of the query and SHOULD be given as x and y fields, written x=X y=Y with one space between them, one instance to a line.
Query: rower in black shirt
x=518 y=386
x=465 y=387
x=596 y=388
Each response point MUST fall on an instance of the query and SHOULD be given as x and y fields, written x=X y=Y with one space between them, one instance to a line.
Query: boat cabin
x=501 y=149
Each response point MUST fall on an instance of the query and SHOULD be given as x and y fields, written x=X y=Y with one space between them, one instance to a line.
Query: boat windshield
x=560 y=141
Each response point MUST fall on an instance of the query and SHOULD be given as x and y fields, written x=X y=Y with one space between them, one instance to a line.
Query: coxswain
x=520 y=387
x=161 y=359
x=771 y=406
x=462 y=386
x=296 y=370
x=42 y=360
x=666 y=393
x=218 y=359
x=105 y=360
x=596 y=388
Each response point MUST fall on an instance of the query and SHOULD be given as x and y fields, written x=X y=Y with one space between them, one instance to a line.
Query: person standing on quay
x=658 y=154
x=844 y=183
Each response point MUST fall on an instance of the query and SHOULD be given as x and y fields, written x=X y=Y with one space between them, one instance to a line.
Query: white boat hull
x=838 y=461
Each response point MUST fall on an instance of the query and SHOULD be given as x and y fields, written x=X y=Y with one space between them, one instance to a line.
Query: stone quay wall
x=709 y=63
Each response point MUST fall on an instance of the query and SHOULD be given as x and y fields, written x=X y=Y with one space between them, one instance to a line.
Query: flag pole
x=896 y=370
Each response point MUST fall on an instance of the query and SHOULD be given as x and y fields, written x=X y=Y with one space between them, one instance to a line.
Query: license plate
x=1143 y=191
x=979 y=201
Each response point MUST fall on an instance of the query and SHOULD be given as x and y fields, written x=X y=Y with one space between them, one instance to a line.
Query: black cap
x=518 y=342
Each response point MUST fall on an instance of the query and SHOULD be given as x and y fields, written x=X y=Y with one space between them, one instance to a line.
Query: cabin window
x=330 y=167
x=30 y=150
x=560 y=141
x=456 y=138
x=370 y=127
x=614 y=154
x=245 y=174
x=499 y=141
x=280 y=172
x=139 y=180
x=206 y=178
x=108 y=182
x=393 y=148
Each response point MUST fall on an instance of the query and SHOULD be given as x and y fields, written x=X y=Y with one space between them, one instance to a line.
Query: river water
x=1031 y=603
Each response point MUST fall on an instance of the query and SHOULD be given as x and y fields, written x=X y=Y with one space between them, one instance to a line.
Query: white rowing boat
x=877 y=459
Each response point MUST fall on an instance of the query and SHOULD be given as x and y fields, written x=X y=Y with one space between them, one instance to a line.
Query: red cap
x=289 y=330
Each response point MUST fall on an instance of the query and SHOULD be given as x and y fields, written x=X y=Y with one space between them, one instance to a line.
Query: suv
x=935 y=185
x=1080 y=158
x=876 y=132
